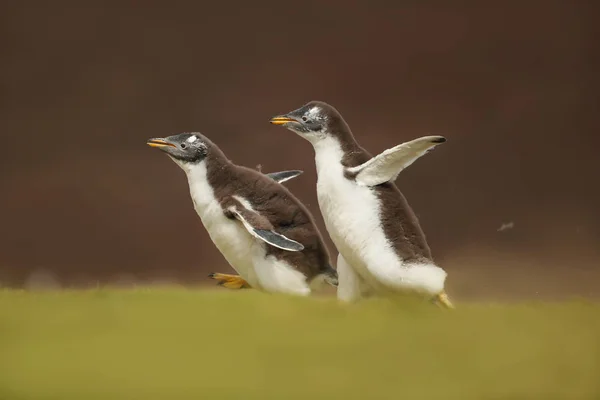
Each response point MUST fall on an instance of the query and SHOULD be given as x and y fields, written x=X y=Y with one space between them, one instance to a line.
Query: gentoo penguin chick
x=262 y=230
x=382 y=248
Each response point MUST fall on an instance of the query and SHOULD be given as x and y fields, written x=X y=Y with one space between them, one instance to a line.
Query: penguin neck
x=335 y=150
x=202 y=178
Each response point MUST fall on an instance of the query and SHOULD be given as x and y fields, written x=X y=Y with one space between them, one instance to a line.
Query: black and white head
x=313 y=121
x=186 y=149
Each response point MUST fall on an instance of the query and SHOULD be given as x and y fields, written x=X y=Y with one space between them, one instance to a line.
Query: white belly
x=233 y=241
x=351 y=215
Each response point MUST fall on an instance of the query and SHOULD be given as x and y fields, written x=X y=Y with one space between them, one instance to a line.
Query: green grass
x=218 y=344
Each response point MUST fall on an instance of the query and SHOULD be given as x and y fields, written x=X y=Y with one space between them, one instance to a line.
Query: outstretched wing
x=386 y=166
x=283 y=176
x=260 y=227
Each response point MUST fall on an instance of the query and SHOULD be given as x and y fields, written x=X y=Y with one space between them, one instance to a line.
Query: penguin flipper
x=283 y=176
x=278 y=240
x=386 y=166
x=259 y=227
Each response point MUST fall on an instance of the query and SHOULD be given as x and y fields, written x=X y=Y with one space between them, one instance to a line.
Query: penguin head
x=184 y=148
x=313 y=121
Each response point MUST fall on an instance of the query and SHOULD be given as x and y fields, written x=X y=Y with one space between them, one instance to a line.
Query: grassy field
x=217 y=344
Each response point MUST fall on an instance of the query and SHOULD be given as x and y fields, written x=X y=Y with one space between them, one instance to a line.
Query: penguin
x=264 y=232
x=382 y=248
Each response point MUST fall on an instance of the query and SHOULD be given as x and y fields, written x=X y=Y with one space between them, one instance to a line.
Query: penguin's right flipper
x=386 y=166
x=283 y=176
x=260 y=227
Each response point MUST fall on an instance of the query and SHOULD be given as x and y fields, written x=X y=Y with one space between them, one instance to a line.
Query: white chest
x=233 y=241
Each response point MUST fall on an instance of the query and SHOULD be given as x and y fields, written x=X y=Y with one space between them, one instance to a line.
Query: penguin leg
x=442 y=300
x=351 y=286
x=230 y=281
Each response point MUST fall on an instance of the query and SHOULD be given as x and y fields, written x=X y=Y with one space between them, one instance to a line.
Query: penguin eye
x=304 y=119
x=183 y=145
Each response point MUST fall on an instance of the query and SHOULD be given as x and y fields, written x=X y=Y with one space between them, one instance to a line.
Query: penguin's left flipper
x=284 y=176
x=386 y=166
x=261 y=228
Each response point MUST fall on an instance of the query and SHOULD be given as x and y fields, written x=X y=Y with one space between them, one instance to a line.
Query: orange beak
x=159 y=143
x=281 y=120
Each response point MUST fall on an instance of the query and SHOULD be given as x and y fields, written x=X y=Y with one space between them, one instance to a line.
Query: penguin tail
x=330 y=276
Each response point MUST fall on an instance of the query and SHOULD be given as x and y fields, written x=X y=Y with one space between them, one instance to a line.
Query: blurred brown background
x=510 y=84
